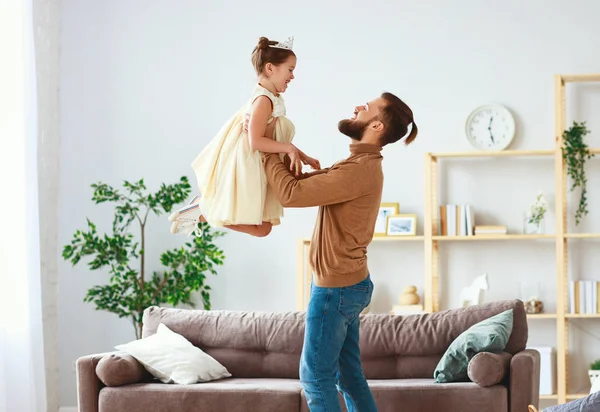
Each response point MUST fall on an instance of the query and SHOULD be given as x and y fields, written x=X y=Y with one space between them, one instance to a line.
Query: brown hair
x=263 y=53
x=396 y=117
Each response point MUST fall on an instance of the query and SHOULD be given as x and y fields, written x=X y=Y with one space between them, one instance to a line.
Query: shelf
x=502 y=153
x=582 y=316
x=493 y=237
x=574 y=396
x=541 y=316
x=582 y=235
x=398 y=238
x=548 y=397
x=307 y=240
x=574 y=78
x=495 y=153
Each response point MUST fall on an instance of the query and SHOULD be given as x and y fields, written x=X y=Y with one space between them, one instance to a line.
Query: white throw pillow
x=595 y=386
x=171 y=358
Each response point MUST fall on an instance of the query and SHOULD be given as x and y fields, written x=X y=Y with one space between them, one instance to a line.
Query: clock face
x=490 y=127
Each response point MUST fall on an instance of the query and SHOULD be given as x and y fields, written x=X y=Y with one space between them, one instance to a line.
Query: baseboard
x=67 y=409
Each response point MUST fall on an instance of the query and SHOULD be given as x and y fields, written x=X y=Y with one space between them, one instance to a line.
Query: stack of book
x=456 y=220
x=490 y=230
x=583 y=297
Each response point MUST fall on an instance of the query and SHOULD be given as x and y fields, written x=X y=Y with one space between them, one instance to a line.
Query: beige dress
x=230 y=175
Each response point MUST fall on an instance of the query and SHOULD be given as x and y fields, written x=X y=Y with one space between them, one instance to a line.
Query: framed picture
x=385 y=210
x=401 y=225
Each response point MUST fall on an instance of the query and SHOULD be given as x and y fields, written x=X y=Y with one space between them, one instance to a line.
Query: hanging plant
x=576 y=152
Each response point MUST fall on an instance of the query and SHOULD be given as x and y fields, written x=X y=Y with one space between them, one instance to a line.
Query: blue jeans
x=331 y=356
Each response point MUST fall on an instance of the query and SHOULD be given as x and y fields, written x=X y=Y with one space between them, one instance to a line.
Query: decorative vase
x=594 y=375
x=532 y=228
x=409 y=296
x=533 y=306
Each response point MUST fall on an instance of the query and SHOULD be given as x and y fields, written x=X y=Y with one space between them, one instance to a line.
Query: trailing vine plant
x=575 y=152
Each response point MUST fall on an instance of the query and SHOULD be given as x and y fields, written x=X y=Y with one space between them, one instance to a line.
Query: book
x=443 y=221
x=456 y=220
x=583 y=297
x=490 y=230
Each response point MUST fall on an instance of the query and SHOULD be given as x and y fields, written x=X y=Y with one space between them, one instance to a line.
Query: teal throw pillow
x=489 y=335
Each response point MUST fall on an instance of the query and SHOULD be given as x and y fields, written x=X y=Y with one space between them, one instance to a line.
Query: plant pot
x=532 y=228
x=593 y=374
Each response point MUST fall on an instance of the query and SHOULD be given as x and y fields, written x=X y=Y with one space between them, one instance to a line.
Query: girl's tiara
x=286 y=44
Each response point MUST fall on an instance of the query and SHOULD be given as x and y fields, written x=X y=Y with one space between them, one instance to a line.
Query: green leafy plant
x=131 y=290
x=575 y=152
x=537 y=209
x=595 y=366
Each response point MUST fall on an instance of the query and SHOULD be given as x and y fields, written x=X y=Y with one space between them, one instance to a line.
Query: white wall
x=146 y=84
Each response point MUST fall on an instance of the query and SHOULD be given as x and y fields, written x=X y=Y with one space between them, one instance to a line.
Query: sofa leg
x=532 y=408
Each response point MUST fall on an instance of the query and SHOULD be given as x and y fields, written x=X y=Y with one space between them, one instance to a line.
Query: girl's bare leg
x=261 y=230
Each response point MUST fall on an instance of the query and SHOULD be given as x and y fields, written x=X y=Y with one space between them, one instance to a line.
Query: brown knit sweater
x=348 y=195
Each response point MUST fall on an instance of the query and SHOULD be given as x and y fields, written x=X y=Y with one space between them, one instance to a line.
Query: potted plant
x=130 y=289
x=535 y=215
x=594 y=371
x=575 y=153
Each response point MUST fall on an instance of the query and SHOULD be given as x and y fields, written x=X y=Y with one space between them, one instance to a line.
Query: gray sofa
x=262 y=352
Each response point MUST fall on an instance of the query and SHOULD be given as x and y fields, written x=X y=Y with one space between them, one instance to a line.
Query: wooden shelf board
x=307 y=240
x=582 y=235
x=573 y=396
x=398 y=238
x=582 y=316
x=574 y=78
x=541 y=316
x=595 y=150
x=495 y=153
x=493 y=237
x=549 y=397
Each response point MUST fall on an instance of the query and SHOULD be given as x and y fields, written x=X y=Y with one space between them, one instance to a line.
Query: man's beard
x=354 y=129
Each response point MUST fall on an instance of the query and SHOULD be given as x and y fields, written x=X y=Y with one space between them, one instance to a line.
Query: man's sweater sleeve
x=338 y=184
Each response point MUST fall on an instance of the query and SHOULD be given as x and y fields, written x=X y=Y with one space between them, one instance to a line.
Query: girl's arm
x=307 y=160
x=259 y=115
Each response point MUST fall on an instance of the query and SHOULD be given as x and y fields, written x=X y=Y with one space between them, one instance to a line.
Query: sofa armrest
x=524 y=387
x=88 y=384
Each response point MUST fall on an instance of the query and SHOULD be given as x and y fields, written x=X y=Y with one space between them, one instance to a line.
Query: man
x=348 y=195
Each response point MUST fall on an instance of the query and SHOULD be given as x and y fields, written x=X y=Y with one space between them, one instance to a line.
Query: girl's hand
x=295 y=160
x=313 y=163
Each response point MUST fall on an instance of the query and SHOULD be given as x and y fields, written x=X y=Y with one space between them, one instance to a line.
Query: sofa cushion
x=268 y=345
x=231 y=395
x=170 y=357
x=248 y=344
x=489 y=335
x=487 y=369
x=424 y=395
x=116 y=369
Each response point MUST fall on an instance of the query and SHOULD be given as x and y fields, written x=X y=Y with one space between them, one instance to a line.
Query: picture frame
x=385 y=210
x=401 y=225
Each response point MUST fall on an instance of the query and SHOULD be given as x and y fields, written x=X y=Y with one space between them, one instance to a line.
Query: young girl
x=231 y=178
